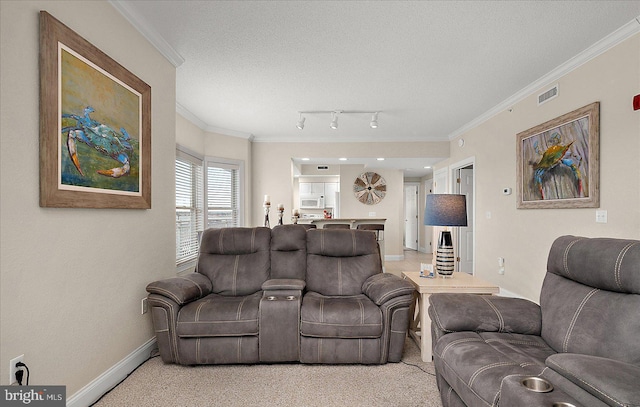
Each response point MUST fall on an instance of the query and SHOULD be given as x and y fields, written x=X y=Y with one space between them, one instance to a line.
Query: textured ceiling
x=430 y=67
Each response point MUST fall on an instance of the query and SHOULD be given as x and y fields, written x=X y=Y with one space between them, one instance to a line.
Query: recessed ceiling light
x=380 y=158
x=305 y=159
x=342 y=159
x=426 y=167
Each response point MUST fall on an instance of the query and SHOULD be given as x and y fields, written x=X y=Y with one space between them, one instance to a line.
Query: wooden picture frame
x=558 y=162
x=95 y=125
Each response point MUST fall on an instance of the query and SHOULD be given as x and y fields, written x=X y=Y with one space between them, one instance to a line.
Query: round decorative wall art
x=370 y=188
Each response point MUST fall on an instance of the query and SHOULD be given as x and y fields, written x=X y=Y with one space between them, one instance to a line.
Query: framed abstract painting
x=558 y=162
x=95 y=125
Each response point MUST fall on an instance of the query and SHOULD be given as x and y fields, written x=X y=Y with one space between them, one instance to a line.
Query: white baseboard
x=90 y=393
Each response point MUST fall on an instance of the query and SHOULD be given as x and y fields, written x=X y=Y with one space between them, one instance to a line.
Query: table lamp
x=445 y=210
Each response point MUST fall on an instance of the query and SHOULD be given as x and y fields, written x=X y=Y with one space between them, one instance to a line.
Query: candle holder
x=267 y=207
x=295 y=214
x=280 y=214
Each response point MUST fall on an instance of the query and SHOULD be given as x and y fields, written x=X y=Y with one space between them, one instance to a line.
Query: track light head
x=374 y=121
x=300 y=124
x=334 y=116
x=334 y=120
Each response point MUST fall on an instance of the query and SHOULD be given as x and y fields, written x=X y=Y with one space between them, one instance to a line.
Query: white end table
x=420 y=327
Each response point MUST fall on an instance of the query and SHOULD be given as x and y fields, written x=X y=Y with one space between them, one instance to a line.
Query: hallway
x=411 y=262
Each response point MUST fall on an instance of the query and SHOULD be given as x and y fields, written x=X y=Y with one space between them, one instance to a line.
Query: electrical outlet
x=13 y=369
x=601 y=216
x=144 y=306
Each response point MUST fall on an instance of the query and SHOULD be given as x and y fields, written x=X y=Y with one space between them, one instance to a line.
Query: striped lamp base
x=445 y=262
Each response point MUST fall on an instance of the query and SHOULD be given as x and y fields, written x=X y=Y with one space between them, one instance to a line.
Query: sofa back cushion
x=339 y=260
x=236 y=260
x=590 y=298
x=289 y=251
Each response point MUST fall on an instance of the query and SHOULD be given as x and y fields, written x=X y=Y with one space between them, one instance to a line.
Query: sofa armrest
x=182 y=289
x=383 y=286
x=286 y=284
x=484 y=313
x=606 y=379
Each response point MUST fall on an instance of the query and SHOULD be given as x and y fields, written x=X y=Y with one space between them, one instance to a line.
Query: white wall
x=72 y=279
x=523 y=236
x=217 y=145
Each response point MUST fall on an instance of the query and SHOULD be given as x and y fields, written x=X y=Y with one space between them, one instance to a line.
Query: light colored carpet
x=283 y=385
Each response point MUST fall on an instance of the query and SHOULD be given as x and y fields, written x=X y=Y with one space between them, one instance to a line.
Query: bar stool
x=378 y=228
x=337 y=226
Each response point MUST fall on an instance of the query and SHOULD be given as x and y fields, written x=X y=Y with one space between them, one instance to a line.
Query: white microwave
x=312 y=202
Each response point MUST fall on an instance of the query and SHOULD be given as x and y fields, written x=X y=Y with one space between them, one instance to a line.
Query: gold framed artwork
x=95 y=125
x=558 y=162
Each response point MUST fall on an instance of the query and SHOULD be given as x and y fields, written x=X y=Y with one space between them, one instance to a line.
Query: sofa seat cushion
x=219 y=315
x=353 y=316
x=474 y=364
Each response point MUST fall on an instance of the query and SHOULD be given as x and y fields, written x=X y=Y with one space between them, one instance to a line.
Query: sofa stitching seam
x=565 y=257
x=172 y=338
x=585 y=382
x=618 y=264
x=487 y=367
x=565 y=344
x=438 y=322
x=461 y=380
x=498 y=314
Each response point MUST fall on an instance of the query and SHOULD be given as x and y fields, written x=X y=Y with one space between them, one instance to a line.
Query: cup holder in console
x=539 y=385
x=274 y=298
x=562 y=404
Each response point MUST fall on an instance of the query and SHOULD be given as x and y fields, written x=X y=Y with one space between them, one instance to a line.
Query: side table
x=420 y=327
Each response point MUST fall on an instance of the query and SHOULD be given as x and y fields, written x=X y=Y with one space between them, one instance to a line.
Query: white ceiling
x=430 y=67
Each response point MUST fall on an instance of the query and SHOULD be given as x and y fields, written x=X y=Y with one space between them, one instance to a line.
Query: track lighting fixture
x=334 y=117
x=374 y=121
x=334 y=120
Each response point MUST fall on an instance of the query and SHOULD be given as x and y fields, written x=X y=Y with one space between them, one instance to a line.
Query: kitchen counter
x=354 y=222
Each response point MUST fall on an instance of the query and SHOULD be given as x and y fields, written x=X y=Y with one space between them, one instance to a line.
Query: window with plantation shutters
x=223 y=193
x=189 y=206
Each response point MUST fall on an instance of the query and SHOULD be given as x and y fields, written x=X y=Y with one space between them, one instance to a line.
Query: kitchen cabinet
x=312 y=188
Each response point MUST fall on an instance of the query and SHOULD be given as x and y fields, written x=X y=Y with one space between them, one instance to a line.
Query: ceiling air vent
x=548 y=95
x=323 y=167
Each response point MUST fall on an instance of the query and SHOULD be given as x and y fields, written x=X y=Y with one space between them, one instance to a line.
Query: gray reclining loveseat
x=580 y=347
x=282 y=295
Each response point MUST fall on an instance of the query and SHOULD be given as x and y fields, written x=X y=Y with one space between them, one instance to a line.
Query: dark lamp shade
x=445 y=210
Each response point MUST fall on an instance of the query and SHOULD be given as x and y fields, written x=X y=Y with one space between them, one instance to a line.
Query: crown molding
x=191 y=117
x=600 y=47
x=184 y=112
x=141 y=24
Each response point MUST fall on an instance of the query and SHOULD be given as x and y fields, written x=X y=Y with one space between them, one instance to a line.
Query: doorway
x=410 y=239
x=464 y=184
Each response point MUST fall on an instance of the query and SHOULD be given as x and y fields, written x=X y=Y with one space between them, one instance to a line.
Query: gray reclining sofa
x=579 y=347
x=282 y=295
